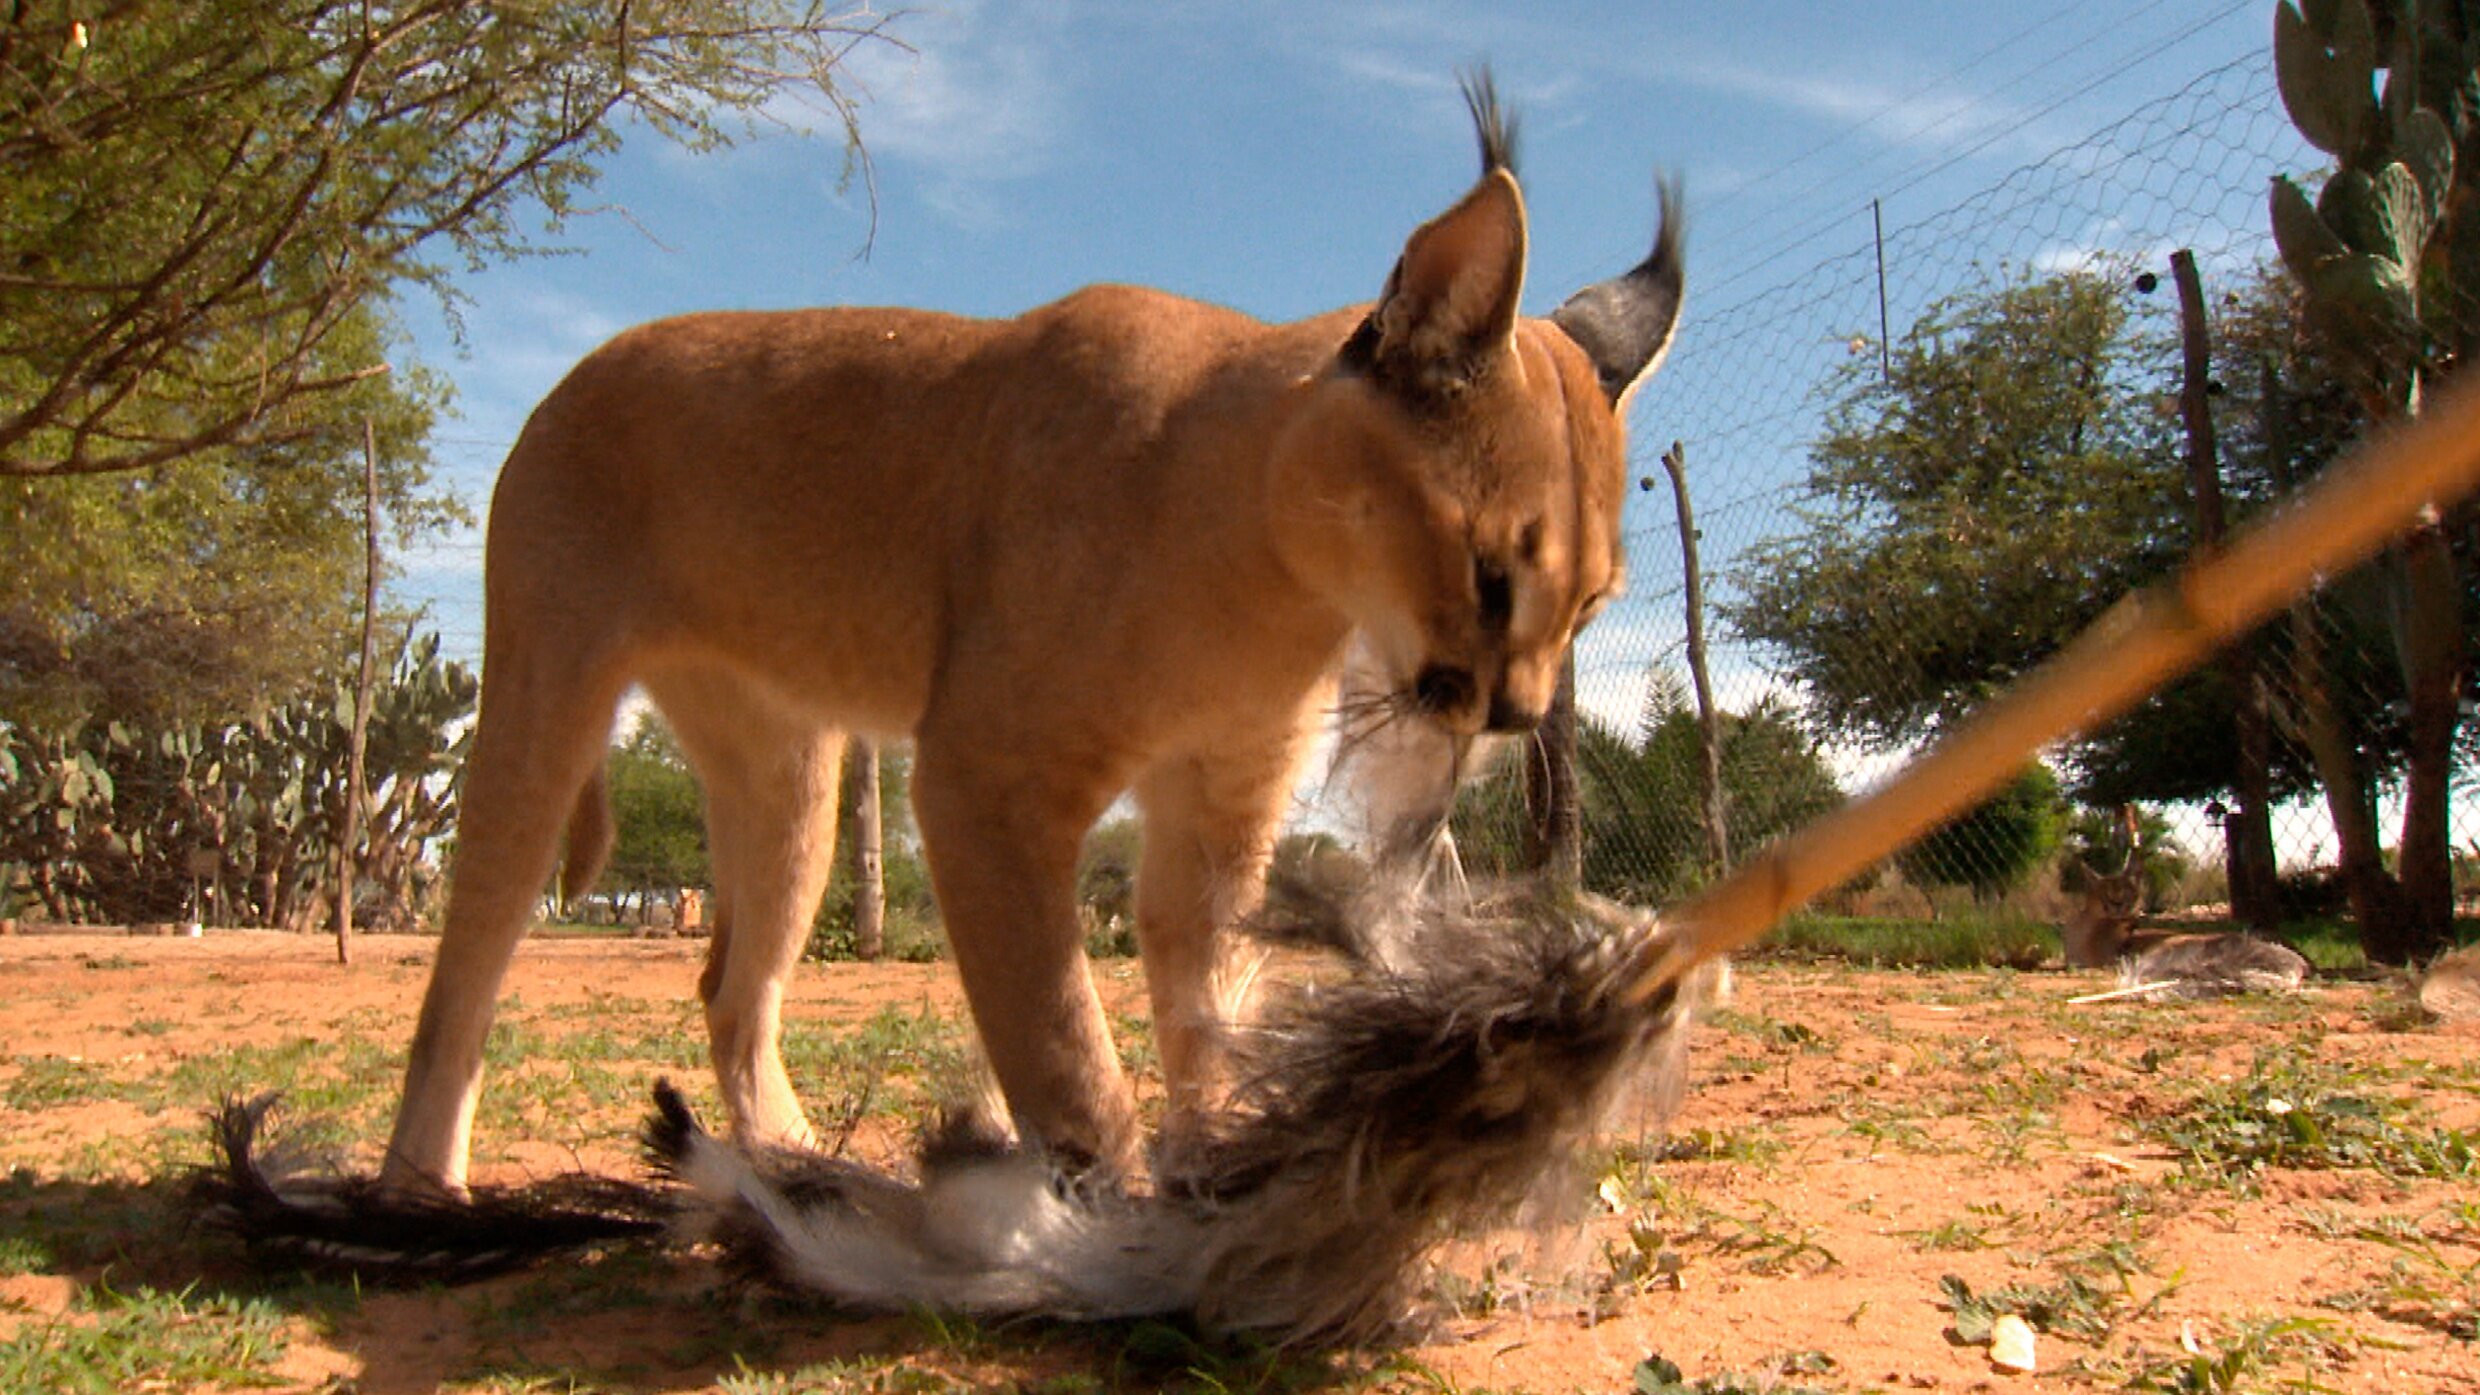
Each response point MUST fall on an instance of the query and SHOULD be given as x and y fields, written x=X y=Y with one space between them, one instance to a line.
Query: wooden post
x=1557 y=843
x=869 y=850
x=348 y=850
x=1708 y=716
x=2247 y=833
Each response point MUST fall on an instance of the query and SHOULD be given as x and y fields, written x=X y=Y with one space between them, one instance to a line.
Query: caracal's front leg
x=1002 y=822
x=1210 y=824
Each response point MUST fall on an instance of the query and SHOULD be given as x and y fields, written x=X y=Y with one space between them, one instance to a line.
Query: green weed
x=2287 y=1114
x=50 y=1082
x=1658 y=1375
x=2072 y=1307
x=146 y=1340
x=2248 y=1362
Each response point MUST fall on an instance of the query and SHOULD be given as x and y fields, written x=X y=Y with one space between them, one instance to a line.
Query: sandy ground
x=1849 y=1141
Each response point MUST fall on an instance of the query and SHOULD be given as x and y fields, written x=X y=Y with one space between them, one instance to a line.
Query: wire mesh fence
x=1919 y=462
x=1916 y=463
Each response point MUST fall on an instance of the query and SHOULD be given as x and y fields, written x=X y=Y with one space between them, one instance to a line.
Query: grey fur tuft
x=1377 y=1117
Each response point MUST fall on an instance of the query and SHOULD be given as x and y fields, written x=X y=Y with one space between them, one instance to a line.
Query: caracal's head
x=1455 y=484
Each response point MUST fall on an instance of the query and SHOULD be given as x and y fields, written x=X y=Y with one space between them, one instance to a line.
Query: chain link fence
x=1910 y=453
x=1845 y=620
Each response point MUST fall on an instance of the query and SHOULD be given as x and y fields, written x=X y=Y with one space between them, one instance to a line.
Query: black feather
x=352 y=1225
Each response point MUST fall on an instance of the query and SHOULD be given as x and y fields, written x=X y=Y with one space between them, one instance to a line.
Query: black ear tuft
x=1494 y=124
x=1625 y=324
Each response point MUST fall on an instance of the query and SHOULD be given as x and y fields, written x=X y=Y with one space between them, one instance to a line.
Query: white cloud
x=1893 y=113
x=979 y=98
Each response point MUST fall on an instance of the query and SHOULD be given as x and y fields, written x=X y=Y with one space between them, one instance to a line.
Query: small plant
x=2283 y=1116
x=2423 y=1287
x=2072 y=1307
x=2245 y=1363
x=1658 y=1375
x=1774 y=1033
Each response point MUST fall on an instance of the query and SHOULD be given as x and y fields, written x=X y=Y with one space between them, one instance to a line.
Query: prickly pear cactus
x=2388 y=252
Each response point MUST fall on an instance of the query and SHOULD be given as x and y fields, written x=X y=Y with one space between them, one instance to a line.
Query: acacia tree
x=1968 y=509
x=208 y=589
x=206 y=212
x=195 y=200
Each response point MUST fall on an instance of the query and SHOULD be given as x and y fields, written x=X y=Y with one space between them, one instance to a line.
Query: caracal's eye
x=1496 y=592
x=1592 y=606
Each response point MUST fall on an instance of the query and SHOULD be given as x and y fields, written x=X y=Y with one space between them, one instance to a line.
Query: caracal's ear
x=1450 y=304
x=1624 y=324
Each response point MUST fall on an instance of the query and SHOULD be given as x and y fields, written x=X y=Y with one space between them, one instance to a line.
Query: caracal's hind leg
x=1210 y=826
x=1002 y=822
x=771 y=780
x=545 y=721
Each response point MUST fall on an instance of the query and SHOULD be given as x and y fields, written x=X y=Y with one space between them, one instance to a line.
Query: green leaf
x=1659 y=1375
x=1974 y=1316
x=2326 y=76
x=2426 y=147
x=2402 y=208
x=2302 y=237
x=2351 y=205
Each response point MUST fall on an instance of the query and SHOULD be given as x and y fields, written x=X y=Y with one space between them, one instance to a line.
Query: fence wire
x=1749 y=394
x=1778 y=366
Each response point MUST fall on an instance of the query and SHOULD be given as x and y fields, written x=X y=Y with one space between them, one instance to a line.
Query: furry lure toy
x=1391 y=1109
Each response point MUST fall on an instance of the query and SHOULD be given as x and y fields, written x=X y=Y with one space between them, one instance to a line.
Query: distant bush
x=1999 y=941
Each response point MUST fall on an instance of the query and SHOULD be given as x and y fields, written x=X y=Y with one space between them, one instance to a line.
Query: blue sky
x=1273 y=156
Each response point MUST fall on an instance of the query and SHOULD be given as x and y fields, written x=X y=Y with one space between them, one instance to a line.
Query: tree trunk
x=1556 y=844
x=2430 y=645
x=2377 y=900
x=348 y=841
x=1708 y=717
x=2247 y=834
x=869 y=862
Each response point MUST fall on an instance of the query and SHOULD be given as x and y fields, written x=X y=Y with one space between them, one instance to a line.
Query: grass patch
x=2287 y=1114
x=146 y=1340
x=2427 y=1284
x=2330 y=945
x=51 y=1082
x=1996 y=941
